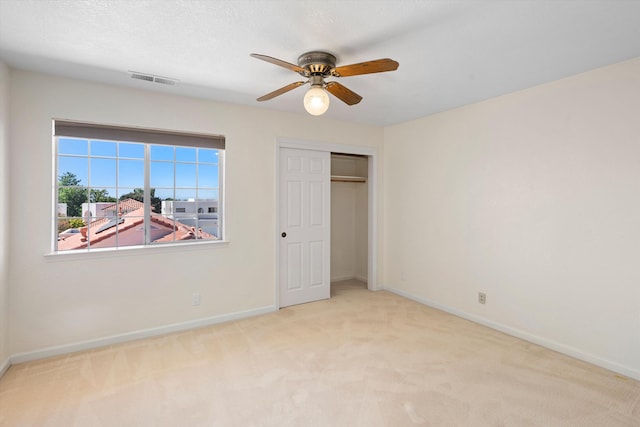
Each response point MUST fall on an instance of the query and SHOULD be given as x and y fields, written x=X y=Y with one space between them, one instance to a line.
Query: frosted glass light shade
x=316 y=101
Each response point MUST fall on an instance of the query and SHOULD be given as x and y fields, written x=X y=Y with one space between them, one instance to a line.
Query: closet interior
x=349 y=217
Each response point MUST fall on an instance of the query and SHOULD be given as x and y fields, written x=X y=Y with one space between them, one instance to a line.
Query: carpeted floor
x=359 y=359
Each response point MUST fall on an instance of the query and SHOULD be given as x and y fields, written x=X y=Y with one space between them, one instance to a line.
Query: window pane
x=117 y=231
x=207 y=222
x=131 y=230
x=164 y=193
x=128 y=196
x=72 y=198
x=207 y=155
x=186 y=175
x=131 y=150
x=103 y=148
x=161 y=174
x=69 y=234
x=184 y=154
x=103 y=172
x=101 y=191
x=72 y=170
x=184 y=195
x=208 y=176
x=131 y=202
x=186 y=227
x=162 y=230
x=208 y=229
x=73 y=146
x=208 y=194
x=131 y=173
x=161 y=152
x=102 y=195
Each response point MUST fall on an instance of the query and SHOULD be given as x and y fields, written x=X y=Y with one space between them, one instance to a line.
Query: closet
x=349 y=217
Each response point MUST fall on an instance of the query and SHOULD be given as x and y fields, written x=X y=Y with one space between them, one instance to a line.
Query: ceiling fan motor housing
x=317 y=63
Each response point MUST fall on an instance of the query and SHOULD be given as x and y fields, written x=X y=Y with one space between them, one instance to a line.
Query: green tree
x=138 y=194
x=71 y=193
x=100 y=196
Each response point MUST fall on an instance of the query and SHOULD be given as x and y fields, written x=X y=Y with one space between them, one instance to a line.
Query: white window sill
x=83 y=254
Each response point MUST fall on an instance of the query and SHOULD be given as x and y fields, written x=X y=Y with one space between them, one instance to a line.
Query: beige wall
x=343 y=225
x=361 y=231
x=61 y=300
x=531 y=197
x=349 y=238
x=4 y=222
x=534 y=199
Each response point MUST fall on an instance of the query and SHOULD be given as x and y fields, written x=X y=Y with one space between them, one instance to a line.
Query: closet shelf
x=342 y=178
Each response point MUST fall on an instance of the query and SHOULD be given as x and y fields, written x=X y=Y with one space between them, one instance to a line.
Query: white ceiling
x=451 y=53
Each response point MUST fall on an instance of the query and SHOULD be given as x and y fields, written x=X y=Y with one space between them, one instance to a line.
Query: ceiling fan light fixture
x=317 y=66
x=316 y=100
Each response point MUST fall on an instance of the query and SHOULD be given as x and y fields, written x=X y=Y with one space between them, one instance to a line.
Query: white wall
x=56 y=301
x=4 y=219
x=533 y=198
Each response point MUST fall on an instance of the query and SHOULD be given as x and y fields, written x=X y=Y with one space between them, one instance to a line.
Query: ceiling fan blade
x=347 y=96
x=280 y=91
x=280 y=63
x=377 y=66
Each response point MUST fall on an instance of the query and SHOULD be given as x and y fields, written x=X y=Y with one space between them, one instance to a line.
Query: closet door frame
x=372 y=208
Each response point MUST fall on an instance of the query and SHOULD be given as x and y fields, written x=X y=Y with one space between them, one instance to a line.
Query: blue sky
x=118 y=167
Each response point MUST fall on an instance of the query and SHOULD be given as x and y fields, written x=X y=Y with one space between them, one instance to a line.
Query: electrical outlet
x=482 y=298
x=195 y=298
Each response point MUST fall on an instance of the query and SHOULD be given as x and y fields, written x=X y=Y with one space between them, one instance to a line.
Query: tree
x=71 y=193
x=138 y=194
x=100 y=196
x=68 y=179
x=74 y=195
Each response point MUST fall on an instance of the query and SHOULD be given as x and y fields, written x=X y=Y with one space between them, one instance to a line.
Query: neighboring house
x=204 y=209
x=127 y=229
x=186 y=211
x=95 y=210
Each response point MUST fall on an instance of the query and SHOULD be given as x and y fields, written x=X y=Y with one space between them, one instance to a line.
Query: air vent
x=155 y=79
x=165 y=81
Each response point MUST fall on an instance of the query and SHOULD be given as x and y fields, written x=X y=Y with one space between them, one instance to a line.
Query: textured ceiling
x=451 y=53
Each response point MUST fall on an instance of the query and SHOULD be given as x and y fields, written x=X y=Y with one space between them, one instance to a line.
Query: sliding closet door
x=305 y=232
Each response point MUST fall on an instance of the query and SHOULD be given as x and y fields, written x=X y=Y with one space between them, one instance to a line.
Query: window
x=131 y=187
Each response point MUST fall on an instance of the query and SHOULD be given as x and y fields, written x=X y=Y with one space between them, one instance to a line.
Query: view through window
x=135 y=188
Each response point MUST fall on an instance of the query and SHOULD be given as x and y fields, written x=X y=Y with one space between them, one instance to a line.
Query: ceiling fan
x=316 y=66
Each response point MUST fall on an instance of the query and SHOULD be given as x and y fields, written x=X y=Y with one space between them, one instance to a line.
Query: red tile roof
x=169 y=230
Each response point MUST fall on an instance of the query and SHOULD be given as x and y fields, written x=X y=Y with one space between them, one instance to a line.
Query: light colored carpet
x=359 y=359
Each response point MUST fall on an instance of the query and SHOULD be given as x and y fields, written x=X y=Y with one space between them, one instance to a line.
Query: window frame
x=146 y=137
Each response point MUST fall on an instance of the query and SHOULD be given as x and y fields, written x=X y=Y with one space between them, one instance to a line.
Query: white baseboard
x=5 y=366
x=361 y=278
x=349 y=277
x=136 y=335
x=341 y=278
x=544 y=342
